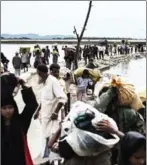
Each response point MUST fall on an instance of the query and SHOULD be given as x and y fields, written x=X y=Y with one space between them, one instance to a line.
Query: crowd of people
x=55 y=106
x=21 y=60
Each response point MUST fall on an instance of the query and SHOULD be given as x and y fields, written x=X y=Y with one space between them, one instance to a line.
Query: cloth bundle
x=127 y=94
x=94 y=73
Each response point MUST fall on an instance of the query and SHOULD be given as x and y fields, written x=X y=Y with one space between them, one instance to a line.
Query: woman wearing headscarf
x=133 y=149
x=14 y=127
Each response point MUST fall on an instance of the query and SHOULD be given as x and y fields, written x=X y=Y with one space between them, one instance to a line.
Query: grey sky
x=109 y=19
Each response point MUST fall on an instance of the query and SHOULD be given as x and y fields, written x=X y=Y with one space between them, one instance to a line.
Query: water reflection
x=134 y=71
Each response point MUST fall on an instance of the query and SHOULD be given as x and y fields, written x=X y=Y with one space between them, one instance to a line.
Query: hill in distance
x=34 y=36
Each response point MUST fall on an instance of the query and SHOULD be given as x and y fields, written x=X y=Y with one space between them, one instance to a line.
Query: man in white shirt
x=52 y=99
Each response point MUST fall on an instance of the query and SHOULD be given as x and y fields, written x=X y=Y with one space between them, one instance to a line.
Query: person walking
x=47 y=55
x=52 y=100
x=24 y=60
x=101 y=52
x=37 y=55
x=29 y=59
x=43 y=56
x=82 y=84
x=95 y=52
x=16 y=61
x=55 y=56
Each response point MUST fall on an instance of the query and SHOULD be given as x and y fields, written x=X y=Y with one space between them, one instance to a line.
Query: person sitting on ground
x=14 y=127
x=91 y=64
x=82 y=84
x=16 y=61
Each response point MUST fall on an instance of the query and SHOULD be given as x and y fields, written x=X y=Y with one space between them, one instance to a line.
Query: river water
x=134 y=71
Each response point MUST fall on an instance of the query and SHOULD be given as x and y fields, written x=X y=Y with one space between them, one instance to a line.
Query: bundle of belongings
x=64 y=71
x=79 y=134
x=26 y=49
x=94 y=74
x=126 y=93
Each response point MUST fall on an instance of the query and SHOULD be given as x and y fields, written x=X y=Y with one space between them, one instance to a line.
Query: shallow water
x=134 y=71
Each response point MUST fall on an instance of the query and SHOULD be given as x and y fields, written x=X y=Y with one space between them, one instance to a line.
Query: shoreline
x=62 y=41
x=113 y=61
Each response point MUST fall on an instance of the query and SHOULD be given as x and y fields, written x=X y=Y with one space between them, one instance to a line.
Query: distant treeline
x=22 y=38
x=73 y=38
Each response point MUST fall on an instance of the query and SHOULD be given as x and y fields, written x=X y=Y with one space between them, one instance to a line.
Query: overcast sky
x=107 y=19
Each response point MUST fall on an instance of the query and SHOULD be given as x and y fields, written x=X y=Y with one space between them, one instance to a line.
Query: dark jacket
x=12 y=144
x=4 y=59
x=126 y=118
x=129 y=145
x=47 y=52
x=16 y=61
x=95 y=50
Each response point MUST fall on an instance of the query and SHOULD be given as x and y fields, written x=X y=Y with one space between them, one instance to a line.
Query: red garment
x=28 y=158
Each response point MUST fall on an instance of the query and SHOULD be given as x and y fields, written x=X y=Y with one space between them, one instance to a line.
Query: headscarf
x=15 y=137
x=8 y=82
x=131 y=142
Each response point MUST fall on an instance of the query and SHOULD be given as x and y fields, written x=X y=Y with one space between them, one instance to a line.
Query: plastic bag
x=85 y=143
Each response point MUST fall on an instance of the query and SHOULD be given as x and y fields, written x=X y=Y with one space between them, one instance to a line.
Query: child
x=67 y=79
x=82 y=83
